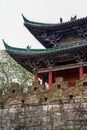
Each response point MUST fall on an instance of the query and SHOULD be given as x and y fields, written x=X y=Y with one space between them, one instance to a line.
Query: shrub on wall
x=40 y=100
x=18 y=127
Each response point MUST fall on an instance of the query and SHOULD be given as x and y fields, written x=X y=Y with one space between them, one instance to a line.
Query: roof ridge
x=26 y=21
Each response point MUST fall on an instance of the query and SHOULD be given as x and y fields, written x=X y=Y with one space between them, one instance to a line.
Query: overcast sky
x=12 y=29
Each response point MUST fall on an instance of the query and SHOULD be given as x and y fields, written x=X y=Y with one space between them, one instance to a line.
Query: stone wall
x=55 y=115
x=60 y=108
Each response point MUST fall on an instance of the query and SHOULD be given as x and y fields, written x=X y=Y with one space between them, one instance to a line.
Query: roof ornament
x=28 y=48
x=73 y=18
x=61 y=20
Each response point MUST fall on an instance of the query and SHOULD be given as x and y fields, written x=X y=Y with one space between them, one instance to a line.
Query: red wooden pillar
x=80 y=72
x=35 y=76
x=50 y=79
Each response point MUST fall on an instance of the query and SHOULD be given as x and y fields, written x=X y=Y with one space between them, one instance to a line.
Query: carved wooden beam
x=49 y=62
x=62 y=67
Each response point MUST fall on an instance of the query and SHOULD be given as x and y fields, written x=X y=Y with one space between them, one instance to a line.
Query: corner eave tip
x=3 y=40
x=25 y=19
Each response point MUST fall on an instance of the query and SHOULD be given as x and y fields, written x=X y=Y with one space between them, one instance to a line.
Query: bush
x=18 y=127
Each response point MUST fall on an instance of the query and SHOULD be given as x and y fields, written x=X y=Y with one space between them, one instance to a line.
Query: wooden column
x=35 y=76
x=50 y=79
x=80 y=72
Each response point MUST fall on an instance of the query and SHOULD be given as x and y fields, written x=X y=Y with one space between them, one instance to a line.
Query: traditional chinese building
x=65 y=54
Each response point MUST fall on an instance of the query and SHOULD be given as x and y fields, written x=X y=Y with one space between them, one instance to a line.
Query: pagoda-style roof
x=44 y=59
x=52 y=35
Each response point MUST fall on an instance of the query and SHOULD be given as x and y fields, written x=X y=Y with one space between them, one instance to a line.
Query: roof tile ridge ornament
x=72 y=21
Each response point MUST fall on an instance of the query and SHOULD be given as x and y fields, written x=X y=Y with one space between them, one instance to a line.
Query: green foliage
x=18 y=127
x=58 y=98
x=40 y=100
x=68 y=129
x=10 y=72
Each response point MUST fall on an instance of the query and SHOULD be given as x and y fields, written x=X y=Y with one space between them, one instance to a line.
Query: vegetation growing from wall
x=18 y=127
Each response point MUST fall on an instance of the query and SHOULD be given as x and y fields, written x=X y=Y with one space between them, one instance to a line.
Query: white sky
x=12 y=29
